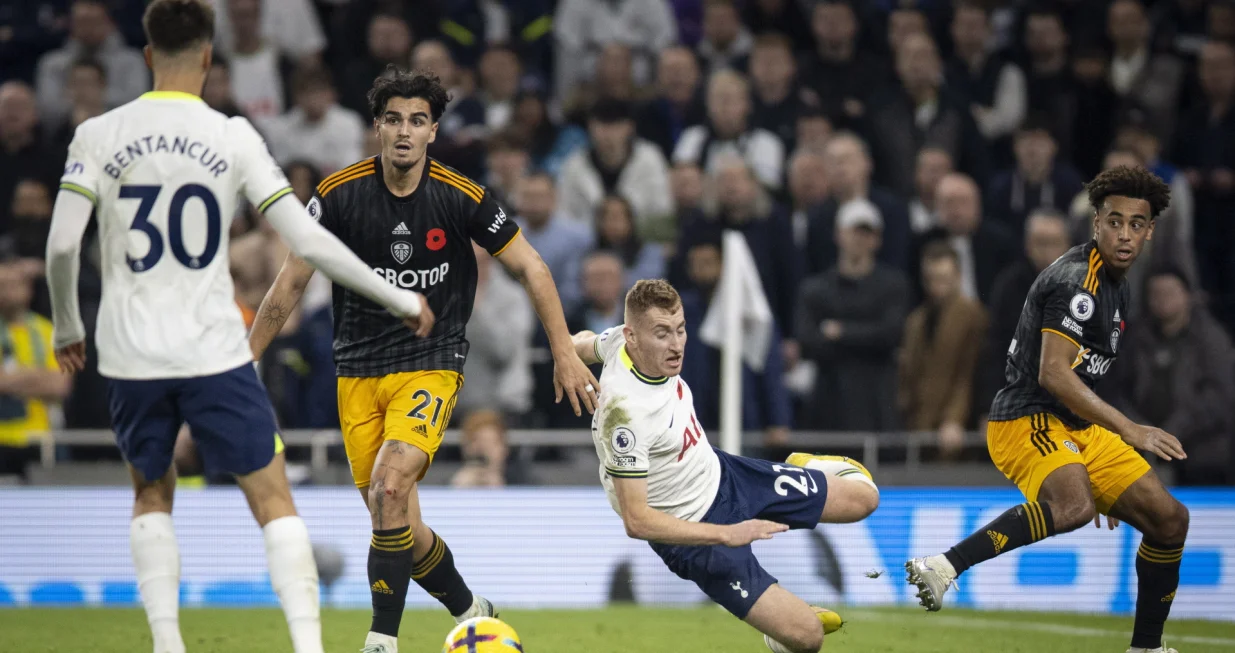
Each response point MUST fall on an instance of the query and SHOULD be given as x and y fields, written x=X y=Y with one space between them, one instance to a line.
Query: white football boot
x=481 y=607
x=379 y=643
x=933 y=575
x=1160 y=649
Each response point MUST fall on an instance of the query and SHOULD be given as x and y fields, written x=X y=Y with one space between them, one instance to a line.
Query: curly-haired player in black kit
x=413 y=220
x=1070 y=453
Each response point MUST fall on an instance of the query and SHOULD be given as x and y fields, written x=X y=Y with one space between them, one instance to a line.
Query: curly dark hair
x=1137 y=183
x=394 y=82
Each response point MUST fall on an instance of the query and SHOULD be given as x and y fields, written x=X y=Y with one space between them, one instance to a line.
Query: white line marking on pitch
x=1073 y=631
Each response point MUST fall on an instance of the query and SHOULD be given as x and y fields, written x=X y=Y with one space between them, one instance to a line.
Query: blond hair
x=647 y=294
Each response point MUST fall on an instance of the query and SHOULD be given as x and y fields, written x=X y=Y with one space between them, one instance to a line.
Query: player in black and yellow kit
x=413 y=221
x=1070 y=453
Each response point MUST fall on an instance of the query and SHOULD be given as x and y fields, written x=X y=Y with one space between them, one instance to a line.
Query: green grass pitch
x=612 y=630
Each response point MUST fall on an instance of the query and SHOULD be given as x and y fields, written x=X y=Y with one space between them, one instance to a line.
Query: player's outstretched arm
x=69 y=220
x=585 y=347
x=646 y=523
x=1056 y=376
x=571 y=376
x=278 y=303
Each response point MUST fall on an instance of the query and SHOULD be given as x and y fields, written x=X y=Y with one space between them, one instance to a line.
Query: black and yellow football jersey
x=422 y=242
x=1076 y=299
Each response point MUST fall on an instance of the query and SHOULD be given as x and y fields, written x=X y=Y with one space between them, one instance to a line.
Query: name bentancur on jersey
x=184 y=146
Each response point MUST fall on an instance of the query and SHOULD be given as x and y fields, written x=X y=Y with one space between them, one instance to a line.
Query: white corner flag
x=739 y=322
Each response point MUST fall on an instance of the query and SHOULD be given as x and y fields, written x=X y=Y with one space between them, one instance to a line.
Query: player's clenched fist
x=1156 y=441
x=422 y=324
x=744 y=533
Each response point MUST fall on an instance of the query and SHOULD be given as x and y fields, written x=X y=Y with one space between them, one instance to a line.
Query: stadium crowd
x=901 y=172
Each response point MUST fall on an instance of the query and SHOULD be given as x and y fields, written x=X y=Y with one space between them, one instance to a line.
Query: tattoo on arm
x=275 y=314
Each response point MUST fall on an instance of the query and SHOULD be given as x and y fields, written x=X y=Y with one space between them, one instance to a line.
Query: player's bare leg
x=788 y=624
x=156 y=557
x=852 y=493
x=1065 y=503
x=1163 y=521
x=289 y=552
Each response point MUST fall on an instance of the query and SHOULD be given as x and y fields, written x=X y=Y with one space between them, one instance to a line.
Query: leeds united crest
x=401 y=251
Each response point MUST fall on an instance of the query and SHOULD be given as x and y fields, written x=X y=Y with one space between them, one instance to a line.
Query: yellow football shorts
x=411 y=407
x=1028 y=449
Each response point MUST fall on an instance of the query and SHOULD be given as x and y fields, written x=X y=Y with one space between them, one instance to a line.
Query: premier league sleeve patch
x=315 y=209
x=623 y=440
x=1082 y=306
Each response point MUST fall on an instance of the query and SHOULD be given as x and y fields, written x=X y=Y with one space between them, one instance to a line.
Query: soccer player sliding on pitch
x=1070 y=453
x=700 y=508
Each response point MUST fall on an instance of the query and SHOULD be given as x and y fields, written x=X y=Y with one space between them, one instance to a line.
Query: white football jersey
x=646 y=428
x=165 y=173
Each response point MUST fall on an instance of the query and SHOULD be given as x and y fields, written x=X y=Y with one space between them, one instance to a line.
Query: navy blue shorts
x=229 y=415
x=749 y=489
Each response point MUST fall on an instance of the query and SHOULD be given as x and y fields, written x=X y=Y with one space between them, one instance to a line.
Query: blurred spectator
x=847 y=165
x=298 y=370
x=500 y=75
x=939 y=355
x=982 y=247
x=615 y=232
x=1047 y=237
x=840 y=74
x=808 y=190
x=687 y=183
x=486 y=454
x=389 y=42
x=933 y=164
x=778 y=101
x=551 y=143
x=1176 y=373
x=508 y=161
x=1205 y=150
x=524 y=25
x=678 y=103
x=993 y=88
x=1221 y=20
x=1093 y=113
x=23 y=152
x=741 y=205
x=903 y=21
x=30 y=380
x=560 y=241
x=619 y=162
x=814 y=130
x=583 y=27
x=603 y=281
x=726 y=42
x=498 y=367
x=304 y=178
x=93 y=35
x=258 y=68
x=31 y=212
x=464 y=119
x=29 y=30
x=86 y=85
x=782 y=17
x=1142 y=79
x=729 y=131
x=1180 y=216
x=920 y=110
x=765 y=403
x=1038 y=181
x=614 y=81
x=217 y=91
x=849 y=322
x=317 y=130
x=291 y=27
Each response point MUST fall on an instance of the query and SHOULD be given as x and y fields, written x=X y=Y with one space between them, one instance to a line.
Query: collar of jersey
x=630 y=365
x=171 y=95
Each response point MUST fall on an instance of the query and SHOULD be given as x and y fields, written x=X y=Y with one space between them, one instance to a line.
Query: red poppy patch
x=435 y=240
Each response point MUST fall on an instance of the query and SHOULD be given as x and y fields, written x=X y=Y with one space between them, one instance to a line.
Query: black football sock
x=390 y=564
x=436 y=574
x=1024 y=524
x=1157 y=576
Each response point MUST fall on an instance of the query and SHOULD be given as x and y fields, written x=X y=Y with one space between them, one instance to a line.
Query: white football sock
x=293 y=574
x=776 y=646
x=835 y=467
x=152 y=540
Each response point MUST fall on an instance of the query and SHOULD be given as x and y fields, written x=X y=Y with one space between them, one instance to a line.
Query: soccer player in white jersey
x=163 y=174
x=699 y=507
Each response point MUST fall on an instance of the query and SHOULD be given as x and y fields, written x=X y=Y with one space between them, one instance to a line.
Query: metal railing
x=319 y=442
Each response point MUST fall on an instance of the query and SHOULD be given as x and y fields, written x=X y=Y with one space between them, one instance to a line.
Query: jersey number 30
x=175 y=225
